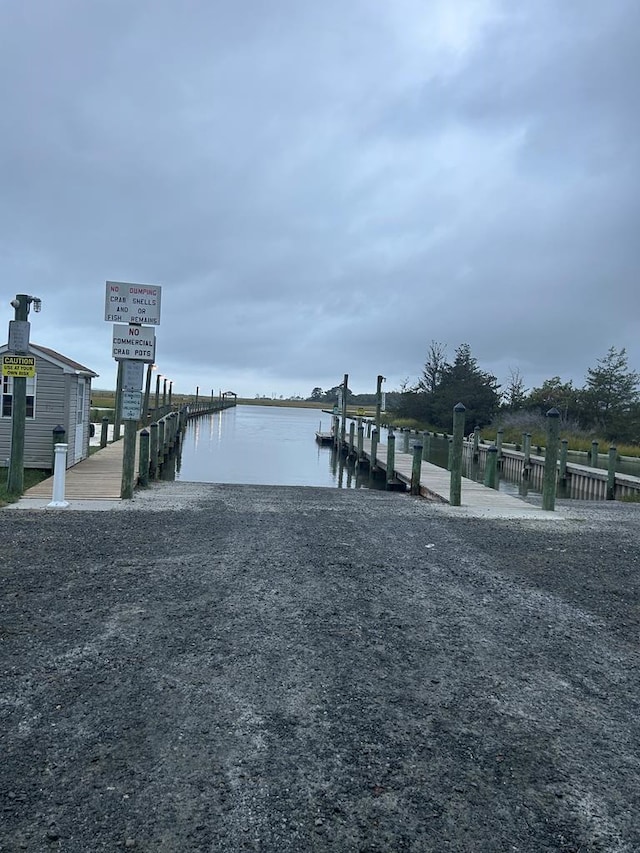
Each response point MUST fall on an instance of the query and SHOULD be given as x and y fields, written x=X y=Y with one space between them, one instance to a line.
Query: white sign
x=132 y=303
x=19 y=336
x=131 y=405
x=134 y=342
x=132 y=375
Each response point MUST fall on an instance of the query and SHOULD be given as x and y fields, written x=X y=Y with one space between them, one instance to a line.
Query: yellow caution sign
x=19 y=365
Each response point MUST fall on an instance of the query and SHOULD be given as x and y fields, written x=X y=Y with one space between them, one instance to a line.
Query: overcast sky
x=326 y=187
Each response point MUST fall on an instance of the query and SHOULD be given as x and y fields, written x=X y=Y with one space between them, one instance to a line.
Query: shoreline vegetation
x=102 y=401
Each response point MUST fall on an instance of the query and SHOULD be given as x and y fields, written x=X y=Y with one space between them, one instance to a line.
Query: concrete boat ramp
x=94 y=485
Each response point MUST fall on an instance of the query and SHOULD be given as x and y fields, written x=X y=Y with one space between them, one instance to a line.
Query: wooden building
x=58 y=395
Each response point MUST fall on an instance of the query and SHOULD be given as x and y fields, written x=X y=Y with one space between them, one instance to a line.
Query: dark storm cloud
x=324 y=188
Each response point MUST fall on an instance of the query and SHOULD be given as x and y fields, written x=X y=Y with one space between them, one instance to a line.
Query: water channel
x=275 y=446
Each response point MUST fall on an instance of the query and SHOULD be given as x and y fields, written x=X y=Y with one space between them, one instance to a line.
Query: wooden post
x=15 y=473
x=352 y=442
x=161 y=441
x=406 y=433
x=143 y=458
x=360 y=438
x=594 y=454
x=491 y=469
x=128 y=459
x=374 y=449
x=611 y=473
x=164 y=392
x=455 y=454
x=426 y=445
x=391 y=456
x=379 y=401
x=170 y=391
x=551 y=460
x=564 y=448
x=416 y=469
x=147 y=392
x=157 y=406
x=476 y=443
x=499 y=439
x=343 y=428
x=526 y=460
x=368 y=429
x=104 y=432
x=117 y=417
x=153 y=450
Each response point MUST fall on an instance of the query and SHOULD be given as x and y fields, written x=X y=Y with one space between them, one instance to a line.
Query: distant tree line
x=608 y=404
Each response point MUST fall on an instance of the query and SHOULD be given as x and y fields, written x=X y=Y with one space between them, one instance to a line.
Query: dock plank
x=99 y=477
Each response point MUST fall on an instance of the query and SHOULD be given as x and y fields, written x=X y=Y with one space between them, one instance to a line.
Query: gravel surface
x=231 y=668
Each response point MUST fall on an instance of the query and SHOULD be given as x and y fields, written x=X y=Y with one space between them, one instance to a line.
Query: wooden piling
x=476 y=443
x=426 y=445
x=594 y=454
x=374 y=449
x=128 y=459
x=455 y=454
x=416 y=469
x=143 y=458
x=564 y=449
x=153 y=450
x=551 y=460
x=391 y=456
x=491 y=468
x=526 y=462
x=104 y=432
x=611 y=473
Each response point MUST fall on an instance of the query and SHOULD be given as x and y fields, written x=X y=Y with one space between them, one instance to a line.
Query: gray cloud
x=322 y=189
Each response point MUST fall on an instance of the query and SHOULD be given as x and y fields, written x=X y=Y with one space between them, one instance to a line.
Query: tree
x=433 y=368
x=464 y=382
x=554 y=393
x=316 y=394
x=610 y=392
x=515 y=394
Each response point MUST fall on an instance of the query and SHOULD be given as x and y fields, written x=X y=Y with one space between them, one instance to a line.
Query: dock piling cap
x=459 y=407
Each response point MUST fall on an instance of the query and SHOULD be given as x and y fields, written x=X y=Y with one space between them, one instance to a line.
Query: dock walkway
x=96 y=478
x=435 y=485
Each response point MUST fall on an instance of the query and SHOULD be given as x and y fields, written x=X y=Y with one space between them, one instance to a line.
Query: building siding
x=55 y=405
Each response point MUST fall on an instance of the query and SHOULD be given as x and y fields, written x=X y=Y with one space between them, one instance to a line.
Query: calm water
x=276 y=446
x=262 y=445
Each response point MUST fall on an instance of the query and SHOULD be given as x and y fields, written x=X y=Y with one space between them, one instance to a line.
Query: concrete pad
x=43 y=503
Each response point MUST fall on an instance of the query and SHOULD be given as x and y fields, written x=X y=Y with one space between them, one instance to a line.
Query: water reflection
x=265 y=445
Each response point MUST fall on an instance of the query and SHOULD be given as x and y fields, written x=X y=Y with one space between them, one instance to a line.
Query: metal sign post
x=133 y=346
x=19 y=366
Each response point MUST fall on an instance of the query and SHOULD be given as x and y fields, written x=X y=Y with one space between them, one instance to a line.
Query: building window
x=7 y=396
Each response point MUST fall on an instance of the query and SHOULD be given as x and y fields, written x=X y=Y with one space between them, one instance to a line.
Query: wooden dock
x=435 y=485
x=96 y=478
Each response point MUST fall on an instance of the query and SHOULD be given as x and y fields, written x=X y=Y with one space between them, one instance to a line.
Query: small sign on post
x=19 y=335
x=134 y=342
x=132 y=303
x=131 y=405
x=19 y=365
x=132 y=375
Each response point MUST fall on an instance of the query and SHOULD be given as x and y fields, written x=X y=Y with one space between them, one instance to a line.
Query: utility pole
x=15 y=478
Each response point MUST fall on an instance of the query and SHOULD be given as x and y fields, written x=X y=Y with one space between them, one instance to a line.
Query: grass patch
x=32 y=476
x=630 y=499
